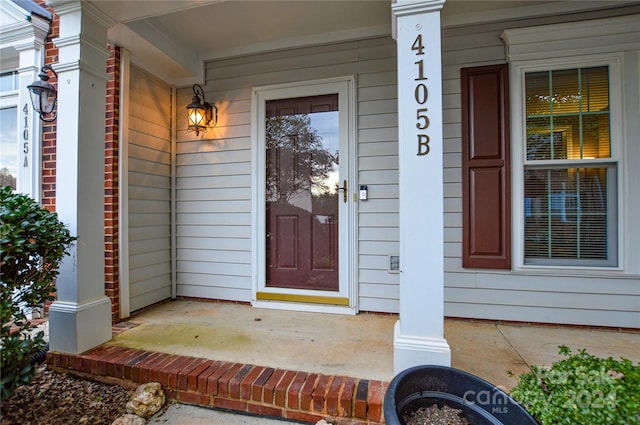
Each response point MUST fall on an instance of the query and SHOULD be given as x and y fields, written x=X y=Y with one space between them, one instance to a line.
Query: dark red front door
x=301 y=193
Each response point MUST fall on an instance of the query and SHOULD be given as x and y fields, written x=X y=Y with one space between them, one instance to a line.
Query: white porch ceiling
x=173 y=38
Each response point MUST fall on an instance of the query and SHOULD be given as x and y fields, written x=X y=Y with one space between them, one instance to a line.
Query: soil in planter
x=434 y=415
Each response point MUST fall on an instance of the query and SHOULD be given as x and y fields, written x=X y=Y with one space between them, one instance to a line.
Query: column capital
x=65 y=7
x=82 y=42
x=404 y=8
x=414 y=7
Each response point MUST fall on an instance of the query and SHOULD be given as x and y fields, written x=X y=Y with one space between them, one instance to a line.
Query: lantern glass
x=43 y=99
x=44 y=95
x=197 y=116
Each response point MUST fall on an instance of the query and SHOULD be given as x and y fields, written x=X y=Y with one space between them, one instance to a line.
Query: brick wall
x=49 y=130
x=111 y=195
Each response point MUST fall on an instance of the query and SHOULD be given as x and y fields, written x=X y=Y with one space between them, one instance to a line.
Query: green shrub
x=582 y=389
x=33 y=244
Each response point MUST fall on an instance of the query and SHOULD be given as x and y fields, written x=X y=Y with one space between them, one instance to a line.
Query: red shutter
x=486 y=194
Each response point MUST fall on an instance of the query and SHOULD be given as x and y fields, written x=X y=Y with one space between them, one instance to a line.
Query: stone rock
x=146 y=400
x=129 y=419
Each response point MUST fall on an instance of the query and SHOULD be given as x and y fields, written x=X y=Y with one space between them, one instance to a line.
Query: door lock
x=344 y=191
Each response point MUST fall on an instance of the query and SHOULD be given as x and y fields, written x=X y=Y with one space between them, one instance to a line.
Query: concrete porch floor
x=242 y=346
x=359 y=346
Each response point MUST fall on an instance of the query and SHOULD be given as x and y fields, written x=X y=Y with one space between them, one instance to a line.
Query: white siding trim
x=173 y=186
x=123 y=185
x=596 y=36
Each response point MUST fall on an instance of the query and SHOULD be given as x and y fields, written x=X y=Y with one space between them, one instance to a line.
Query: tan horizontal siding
x=149 y=203
x=214 y=191
x=523 y=295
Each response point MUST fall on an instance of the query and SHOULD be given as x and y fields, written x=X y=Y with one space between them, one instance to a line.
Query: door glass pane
x=8 y=147
x=301 y=193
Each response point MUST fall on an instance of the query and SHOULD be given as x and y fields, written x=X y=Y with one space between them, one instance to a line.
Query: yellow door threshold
x=309 y=299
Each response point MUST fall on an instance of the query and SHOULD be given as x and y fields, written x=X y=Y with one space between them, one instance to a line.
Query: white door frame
x=303 y=300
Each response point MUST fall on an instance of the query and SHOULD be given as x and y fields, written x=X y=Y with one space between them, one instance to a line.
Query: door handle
x=344 y=191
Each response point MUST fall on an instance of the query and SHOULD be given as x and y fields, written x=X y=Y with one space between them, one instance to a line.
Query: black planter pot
x=481 y=402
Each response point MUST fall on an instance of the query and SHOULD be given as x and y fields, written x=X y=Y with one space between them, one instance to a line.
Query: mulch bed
x=53 y=398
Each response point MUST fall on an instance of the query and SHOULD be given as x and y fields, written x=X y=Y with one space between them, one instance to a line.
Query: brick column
x=111 y=195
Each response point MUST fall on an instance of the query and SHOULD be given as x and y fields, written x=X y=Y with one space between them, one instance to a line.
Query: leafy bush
x=582 y=389
x=33 y=244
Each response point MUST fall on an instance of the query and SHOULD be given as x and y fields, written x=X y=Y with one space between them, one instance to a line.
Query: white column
x=80 y=319
x=419 y=334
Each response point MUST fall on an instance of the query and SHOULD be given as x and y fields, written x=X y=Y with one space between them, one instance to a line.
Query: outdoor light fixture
x=200 y=114
x=44 y=95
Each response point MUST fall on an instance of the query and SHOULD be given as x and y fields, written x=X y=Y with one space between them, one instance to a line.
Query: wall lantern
x=44 y=95
x=200 y=114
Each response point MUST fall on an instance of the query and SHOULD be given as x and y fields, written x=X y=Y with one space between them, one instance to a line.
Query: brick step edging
x=280 y=393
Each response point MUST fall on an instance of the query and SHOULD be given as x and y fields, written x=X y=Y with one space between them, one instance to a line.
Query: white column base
x=413 y=350
x=75 y=328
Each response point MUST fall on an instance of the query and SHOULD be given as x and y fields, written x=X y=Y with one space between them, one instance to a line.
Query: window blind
x=566 y=213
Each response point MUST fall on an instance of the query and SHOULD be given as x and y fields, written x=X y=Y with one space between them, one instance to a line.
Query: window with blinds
x=569 y=177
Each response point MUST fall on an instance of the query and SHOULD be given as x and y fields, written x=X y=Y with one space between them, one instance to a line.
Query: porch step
x=259 y=390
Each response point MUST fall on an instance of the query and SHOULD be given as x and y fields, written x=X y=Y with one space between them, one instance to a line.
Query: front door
x=302 y=155
x=305 y=197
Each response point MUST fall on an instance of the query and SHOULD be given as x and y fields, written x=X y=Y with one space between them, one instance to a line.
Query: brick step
x=261 y=390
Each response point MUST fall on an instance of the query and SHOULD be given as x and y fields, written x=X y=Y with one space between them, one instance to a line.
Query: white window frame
x=611 y=163
x=557 y=47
